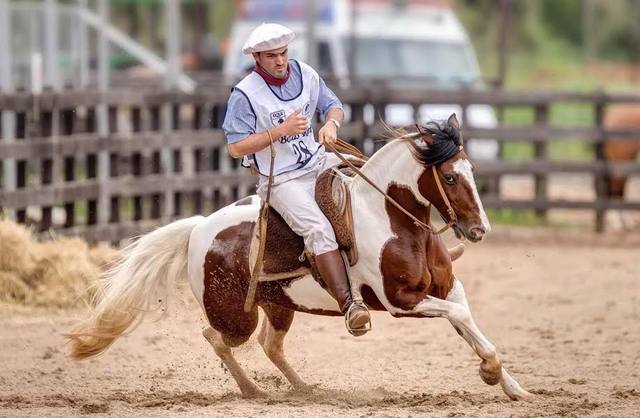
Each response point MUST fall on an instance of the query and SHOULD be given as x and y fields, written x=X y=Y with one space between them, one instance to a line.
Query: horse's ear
x=453 y=121
x=426 y=137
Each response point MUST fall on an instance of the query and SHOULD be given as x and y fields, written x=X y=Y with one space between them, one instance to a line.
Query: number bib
x=294 y=151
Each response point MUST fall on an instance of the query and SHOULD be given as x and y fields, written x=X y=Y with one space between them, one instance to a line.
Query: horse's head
x=448 y=181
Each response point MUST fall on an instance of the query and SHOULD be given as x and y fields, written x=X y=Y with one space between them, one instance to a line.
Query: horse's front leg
x=456 y=309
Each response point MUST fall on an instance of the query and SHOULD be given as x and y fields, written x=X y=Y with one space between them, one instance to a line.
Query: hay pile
x=58 y=273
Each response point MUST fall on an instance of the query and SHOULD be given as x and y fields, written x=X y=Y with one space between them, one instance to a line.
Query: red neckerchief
x=271 y=79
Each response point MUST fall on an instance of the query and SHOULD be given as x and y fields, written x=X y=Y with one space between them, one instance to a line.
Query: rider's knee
x=321 y=242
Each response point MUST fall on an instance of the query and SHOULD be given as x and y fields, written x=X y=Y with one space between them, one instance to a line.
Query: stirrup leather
x=357 y=331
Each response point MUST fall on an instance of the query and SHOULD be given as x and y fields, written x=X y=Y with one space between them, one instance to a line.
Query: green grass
x=522 y=217
x=559 y=149
x=507 y=216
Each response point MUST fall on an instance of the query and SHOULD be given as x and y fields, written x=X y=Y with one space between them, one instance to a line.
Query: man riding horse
x=402 y=267
x=275 y=104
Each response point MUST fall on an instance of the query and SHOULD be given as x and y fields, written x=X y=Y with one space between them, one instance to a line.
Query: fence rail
x=162 y=155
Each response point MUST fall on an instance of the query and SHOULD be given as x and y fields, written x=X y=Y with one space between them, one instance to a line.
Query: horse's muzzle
x=473 y=234
x=476 y=233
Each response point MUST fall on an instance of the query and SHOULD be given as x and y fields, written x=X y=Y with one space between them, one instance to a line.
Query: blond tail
x=142 y=278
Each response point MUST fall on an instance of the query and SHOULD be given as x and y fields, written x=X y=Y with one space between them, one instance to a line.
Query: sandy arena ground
x=564 y=313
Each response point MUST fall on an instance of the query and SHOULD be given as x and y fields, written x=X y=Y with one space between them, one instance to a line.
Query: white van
x=402 y=43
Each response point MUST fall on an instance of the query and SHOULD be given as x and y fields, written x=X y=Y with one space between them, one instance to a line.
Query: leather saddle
x=285 y=255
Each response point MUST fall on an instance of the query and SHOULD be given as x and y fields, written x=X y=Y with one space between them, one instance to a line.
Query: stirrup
x=356 y=332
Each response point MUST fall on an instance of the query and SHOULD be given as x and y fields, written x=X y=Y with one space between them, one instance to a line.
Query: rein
x=416 y=221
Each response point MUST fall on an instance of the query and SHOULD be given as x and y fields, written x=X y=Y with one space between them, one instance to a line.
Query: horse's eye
x=449 y=178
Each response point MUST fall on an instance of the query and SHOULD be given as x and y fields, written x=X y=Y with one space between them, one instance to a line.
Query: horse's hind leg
x=491 y=369
x=274 y=328
x=247 y=387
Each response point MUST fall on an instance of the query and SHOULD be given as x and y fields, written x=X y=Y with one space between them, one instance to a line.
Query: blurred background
x=578 y=44
x=110 y=126
x=111 y=110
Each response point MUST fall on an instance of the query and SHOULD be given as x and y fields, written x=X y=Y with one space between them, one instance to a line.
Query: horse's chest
x=405 y=276
x=413 y=267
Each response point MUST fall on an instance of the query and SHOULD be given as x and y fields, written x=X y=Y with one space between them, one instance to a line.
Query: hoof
x=490 y=372
x=522 y=395
x=456 y=252
x=513 y=389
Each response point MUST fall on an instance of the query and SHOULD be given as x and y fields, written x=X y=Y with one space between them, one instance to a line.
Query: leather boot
x=333 y=272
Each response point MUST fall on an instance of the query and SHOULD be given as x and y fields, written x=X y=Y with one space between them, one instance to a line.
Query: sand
x=564 y=313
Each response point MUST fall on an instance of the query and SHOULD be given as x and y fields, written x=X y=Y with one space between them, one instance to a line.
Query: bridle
x=453 y=218
x=343 y=146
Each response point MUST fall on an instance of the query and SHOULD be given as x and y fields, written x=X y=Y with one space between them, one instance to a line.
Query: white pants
x=294 y=199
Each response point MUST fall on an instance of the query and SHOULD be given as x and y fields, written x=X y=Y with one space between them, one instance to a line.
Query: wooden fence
x=110 y=166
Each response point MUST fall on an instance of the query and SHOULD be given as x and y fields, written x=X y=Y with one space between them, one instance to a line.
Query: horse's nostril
x=476 y=232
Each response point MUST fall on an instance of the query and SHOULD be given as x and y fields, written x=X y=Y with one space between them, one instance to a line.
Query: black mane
x=446 y=143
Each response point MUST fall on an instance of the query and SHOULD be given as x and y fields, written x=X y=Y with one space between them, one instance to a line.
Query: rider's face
x=274 y=61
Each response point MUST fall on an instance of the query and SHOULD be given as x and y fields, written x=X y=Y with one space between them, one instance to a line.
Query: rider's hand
x=295 y=124
x=328 y=133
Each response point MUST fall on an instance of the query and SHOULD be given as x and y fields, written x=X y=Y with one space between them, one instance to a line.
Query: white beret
x=266 y=37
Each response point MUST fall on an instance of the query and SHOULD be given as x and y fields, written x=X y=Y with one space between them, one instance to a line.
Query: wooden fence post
x=136 y=161
x=67 y=125
x=601 y=178
x=541 y=152
x=196 y=155
x=23 y=129
x=114 y=166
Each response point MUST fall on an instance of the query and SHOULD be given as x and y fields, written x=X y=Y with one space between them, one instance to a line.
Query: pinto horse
x=402 y=269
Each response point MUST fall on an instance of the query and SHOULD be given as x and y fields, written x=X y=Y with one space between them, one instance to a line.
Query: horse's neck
x=373 y=226
x=393 y=164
